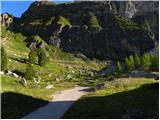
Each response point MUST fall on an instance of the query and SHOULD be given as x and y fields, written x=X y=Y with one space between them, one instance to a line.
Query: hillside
x=111 y=47
x=77 y=30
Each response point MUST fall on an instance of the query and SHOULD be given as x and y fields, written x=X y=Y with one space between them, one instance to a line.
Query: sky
x=16 y=8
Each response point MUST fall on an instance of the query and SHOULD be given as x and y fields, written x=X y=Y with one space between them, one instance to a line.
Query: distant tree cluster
x=147 y=62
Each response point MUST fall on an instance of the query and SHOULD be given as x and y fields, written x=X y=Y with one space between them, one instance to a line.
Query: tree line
x=147 y=62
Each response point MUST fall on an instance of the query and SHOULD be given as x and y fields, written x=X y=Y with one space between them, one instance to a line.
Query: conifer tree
x=129 y=63
x=42 y=58
x=30 y=72
x=146 y=62
x=4 y=59
x=32 y=57
x=118 y=68
x=137 y=60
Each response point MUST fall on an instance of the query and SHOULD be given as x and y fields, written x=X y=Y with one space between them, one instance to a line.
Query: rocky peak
x=119 y=35
x=6 y=19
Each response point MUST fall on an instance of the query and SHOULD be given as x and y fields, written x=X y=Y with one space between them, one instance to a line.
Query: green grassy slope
x=16 y=49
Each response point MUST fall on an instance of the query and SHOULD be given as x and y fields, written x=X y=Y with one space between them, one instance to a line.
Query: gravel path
x=62 y=100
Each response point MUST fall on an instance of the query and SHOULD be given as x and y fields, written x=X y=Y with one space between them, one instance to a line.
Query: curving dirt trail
x=62 y=100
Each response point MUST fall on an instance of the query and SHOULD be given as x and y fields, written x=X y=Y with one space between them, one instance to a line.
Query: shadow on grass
x=139 y=103
x=22 y=60
x=14 y=105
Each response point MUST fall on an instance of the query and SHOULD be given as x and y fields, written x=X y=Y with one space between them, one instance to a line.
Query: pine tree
x=146 y=62
x=4 y=59
x=30 y=72
x=42 y=58
x=129 y=63
x=118 y=68
x=32 y=57
x=137 y=60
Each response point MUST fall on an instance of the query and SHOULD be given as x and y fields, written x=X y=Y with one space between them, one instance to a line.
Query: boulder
x=6 y=19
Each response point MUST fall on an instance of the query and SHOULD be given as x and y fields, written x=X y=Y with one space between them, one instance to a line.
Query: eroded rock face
x=118 y=37
x=140 y=11
x=129 y=9
x=6 y=19
x=107 y=43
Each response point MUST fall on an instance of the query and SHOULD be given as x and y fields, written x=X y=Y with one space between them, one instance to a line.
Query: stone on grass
x=91 y=74
x=69 y=67
x=1 y=72
x=10 y=73
x=50 y=74
x=49 y=86
x=73 y=71
x=37 y=80
x=23 y=82
x=15 y=75
x=57 y=79
x=69 y=76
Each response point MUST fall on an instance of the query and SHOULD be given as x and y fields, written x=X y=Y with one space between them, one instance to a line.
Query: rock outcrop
x=118 y=37
x=6 y=19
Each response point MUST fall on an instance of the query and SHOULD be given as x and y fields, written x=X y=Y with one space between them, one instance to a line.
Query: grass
x=19 y=100
x=117 y=98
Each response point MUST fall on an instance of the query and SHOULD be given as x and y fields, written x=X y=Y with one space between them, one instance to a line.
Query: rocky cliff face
x=6 y=19
x=139 y=12
x=118 y=37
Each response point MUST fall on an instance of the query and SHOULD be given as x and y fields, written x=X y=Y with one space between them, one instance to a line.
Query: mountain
x=107 y=29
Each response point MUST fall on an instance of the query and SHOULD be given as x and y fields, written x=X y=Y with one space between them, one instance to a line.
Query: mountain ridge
x=118 y=37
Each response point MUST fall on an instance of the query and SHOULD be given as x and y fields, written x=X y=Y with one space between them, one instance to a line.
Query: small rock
x=57 y=79
x=69 y=76
x=23 y=81
x=37 y=80
x=49 y=86
x=9 y=72
x=91 y=74
x=15 y=75
x=50 y=75
x=69 y=67
x=1 y=72
x=73 y=71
